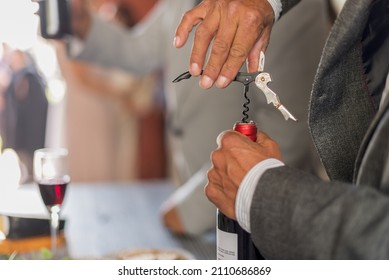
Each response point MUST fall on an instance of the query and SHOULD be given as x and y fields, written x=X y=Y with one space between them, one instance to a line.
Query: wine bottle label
x=227 y=245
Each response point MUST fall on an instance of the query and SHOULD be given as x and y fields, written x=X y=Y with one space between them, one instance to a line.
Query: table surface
x=103 y=219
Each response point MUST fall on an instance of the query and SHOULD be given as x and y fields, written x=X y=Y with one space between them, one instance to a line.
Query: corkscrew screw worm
x=246 y=105
x=244 y=78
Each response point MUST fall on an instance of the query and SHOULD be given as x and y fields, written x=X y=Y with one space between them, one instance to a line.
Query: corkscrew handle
x=249 y=129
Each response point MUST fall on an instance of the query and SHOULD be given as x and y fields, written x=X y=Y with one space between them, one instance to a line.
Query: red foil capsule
x=248 y=129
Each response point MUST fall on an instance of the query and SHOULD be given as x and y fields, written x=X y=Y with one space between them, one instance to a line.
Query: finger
x=220 y=49
x=202 y=40
x=219 y=165
x=189 y=20
x=237 y=55
x=269 y=145
x=262 y=137
x=261 y=62
x=229 y=138
x=220 y=137
x=254 y=56
x=214 y=177
x=214 y=194
x=218 y=198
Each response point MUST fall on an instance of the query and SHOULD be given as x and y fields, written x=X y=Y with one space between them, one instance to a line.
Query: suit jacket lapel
x=340 y=108
x=346 y=30
x=367 y=140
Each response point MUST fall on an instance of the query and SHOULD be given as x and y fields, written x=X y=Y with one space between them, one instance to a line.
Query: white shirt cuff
x=277 y=8
x=247 y=188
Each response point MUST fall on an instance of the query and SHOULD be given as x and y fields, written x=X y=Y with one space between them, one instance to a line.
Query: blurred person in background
x=24 y=106
x=195 y=117
x=107 y=112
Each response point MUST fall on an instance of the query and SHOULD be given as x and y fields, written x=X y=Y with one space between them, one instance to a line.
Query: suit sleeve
x=298 y=216
x=287 y=5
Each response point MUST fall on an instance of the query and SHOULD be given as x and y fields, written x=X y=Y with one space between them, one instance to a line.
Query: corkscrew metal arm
x=261 y=80
x=184 y=76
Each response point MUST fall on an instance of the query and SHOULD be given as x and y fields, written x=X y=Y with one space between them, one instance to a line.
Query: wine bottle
x=233 y=242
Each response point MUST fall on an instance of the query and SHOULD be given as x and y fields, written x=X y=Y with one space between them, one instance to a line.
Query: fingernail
x=221 y=82
x=176 y=41
x=205 y=82
x=195 y=69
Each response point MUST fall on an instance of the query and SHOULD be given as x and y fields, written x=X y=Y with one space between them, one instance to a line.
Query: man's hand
x=240 y=30
x=235 y=156
x=81 y=18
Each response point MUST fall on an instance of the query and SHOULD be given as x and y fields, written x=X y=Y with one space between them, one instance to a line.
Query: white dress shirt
x=277 y=8
x=246 y=190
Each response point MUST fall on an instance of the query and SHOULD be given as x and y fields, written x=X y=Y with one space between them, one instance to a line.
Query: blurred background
x=111 y=121
x=99 y=114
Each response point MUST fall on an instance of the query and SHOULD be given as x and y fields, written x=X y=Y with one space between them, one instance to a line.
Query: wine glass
x=52 y=176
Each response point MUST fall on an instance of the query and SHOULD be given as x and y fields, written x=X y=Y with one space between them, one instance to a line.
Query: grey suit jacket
x=298 y=216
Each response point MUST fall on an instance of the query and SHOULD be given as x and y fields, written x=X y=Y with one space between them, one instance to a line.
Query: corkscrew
x=261 y=80
x=246 y=104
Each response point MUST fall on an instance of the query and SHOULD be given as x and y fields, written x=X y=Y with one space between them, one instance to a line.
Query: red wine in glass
x=52 y=191
x=52 y=177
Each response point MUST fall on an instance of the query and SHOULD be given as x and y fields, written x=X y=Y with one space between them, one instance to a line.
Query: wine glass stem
x=54 y=225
